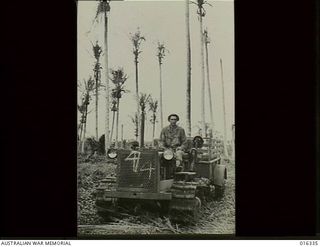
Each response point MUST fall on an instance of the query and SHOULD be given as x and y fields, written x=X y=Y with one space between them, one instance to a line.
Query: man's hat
x=173 y=115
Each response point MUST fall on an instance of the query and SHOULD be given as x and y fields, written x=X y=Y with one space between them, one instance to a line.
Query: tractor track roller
x=106 y=209
x=182 y=189
x=184 y=204
x=184 y=210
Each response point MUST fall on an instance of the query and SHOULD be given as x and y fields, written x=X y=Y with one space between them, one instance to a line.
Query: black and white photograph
x=155 y=118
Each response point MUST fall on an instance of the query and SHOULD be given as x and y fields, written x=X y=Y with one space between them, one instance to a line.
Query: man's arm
x=183 y=139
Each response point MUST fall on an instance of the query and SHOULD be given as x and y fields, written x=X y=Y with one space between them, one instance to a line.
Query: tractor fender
x=219 y=174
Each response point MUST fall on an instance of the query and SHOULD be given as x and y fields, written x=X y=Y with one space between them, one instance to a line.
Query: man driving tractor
x=174 y=137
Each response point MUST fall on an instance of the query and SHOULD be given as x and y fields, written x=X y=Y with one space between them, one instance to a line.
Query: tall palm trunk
x=224 y=113
x=137 y=96
x=97 y=135
x=188 y=96
x=112 y=126
x=208 y=80
x=84 y=128
x=137 y=126
x=107 y=143
x=153 y=129
x=80 y=135
x=136 y=40
x=121 y=136
x=96 y=110
x=202 y=76
x=142 y=129
x=117 y=123
x=161 y=111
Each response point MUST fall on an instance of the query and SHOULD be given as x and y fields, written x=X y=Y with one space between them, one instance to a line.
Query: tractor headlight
x=168 y=154
x=112 y=154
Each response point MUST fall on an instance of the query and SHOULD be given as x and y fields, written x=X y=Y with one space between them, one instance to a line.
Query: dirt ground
x=216 y=217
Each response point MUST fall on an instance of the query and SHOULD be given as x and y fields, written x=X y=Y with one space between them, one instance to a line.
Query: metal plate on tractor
x=138 y=170
x=137 y=195
x=219 y=175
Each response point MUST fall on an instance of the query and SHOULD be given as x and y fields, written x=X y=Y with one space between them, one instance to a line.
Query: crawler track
x=215 y=217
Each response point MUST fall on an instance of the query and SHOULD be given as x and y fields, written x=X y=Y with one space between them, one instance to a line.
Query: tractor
x=150 y=176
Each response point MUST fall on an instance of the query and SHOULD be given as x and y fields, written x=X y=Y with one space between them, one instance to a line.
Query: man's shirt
x=172 y=136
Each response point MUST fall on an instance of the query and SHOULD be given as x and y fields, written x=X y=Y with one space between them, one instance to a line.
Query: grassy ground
x=216 y=217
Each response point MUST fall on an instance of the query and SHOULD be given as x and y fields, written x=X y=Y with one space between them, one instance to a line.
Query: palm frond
x=143 y=100
x=103 y=6
x=136 y=40
x=134 y=118
x=153 y=105
x=161 y=51
x=97 y=50
x=206 y=37
x=201 y=11
x=118 y=78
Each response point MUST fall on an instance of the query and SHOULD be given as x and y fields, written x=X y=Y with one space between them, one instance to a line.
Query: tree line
x=144 y=102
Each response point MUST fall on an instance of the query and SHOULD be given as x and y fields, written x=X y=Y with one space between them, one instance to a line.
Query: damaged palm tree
x=134 y=120
x=103 y=7
x=224 y=112
x=143 y=100
x=89 y=86
x=114 y=110
x=161 y=54
x=153 y=107
x=207 y=41
x=136 y=40
x=201 y=13
x=118 y=79
x=102 y=10
x=188 y=93
x=97 y=75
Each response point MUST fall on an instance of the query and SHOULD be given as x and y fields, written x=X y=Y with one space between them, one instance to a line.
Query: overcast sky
x=162 y=21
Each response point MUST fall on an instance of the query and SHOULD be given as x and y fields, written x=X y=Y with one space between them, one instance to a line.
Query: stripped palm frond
x=89 y=84
x=206 y=37
x=161 y=52
x=97 y=50
x=201 y=11
x=153 y=107
x=118 y=79
x=143 y=100
x=137 y=39
x=103 y=6
x=134 y=118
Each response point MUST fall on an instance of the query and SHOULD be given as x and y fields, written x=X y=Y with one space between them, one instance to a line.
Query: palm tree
x=143 y=100
x=207 y=131
x=134 y=120
x=201 y=13
x=161 y=55
x=97 y=75
x=89 y=87
x=207 y=41
x=224 y=113
x=188 y=96
x=103 y=9
x=153 y=107
x=82 y=110
x=137 y=39
x=113 y=109
x=118 y=79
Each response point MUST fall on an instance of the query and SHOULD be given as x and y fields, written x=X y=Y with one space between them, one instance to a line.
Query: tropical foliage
x=153 y=107
x=118 y=79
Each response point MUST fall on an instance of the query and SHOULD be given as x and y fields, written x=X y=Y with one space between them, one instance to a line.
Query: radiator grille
x=138 y=170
